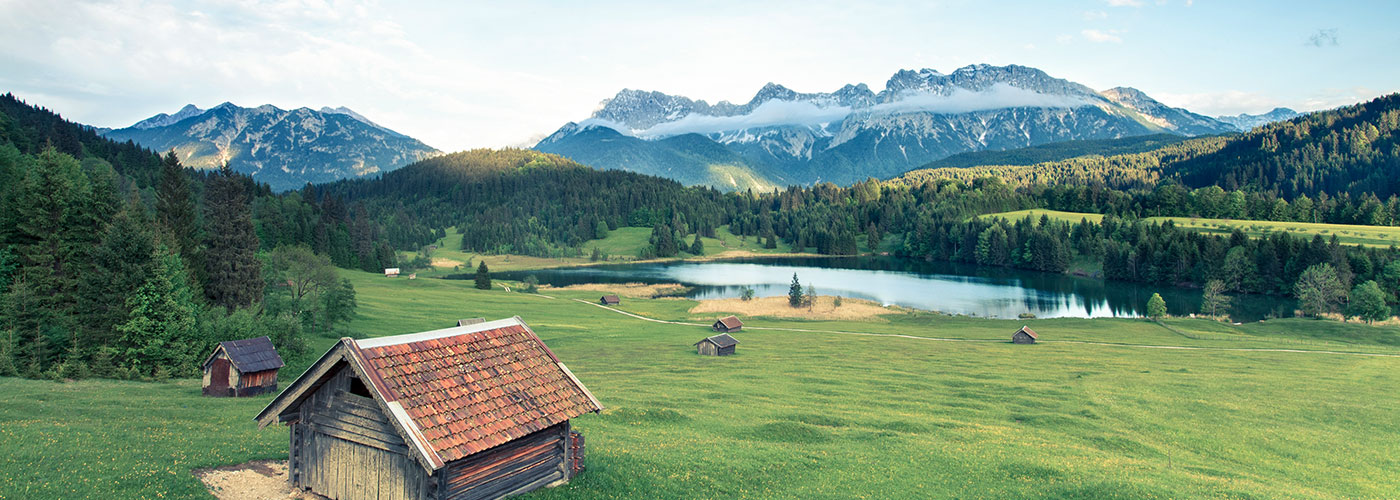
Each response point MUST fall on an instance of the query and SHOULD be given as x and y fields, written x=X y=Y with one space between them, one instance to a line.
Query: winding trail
x=940 y=339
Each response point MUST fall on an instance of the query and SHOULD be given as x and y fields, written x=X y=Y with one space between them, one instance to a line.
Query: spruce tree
x=159 y=334
x=697 y=248
x=175 y=210
x=795 y=292
x=234 y=272
x=483 y=277
x=121 y=264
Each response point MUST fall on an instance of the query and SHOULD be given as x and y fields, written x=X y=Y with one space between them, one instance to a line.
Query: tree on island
x=795 y=292
x=483 y=277
x=1156 y=307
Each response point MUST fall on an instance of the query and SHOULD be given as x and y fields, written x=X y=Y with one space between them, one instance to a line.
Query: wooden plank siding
x=347 y=449
x=520 y=465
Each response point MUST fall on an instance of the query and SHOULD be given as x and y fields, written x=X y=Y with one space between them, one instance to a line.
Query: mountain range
x=782 y=136
x=284 y=148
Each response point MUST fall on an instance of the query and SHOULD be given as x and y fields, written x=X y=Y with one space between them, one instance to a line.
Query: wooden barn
x=718 y=345
x=610 y=300
x=473 y=412
x=242 y=368
x=470 y=321
x=1024 y=336
x=728 y=325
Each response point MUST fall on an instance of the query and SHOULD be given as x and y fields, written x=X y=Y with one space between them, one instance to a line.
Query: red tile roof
x=1030 y=332
x=471 y=388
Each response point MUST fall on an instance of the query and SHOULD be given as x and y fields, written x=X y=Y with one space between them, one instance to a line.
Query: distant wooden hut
x=1024 y=336
x=610 y=300
x=242 y=368
x=471 y=412
x=729 y=324
x=470 y=321
x=391 y=272
x=718 y=345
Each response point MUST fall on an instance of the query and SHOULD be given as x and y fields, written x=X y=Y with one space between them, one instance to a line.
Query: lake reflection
x=934 y=286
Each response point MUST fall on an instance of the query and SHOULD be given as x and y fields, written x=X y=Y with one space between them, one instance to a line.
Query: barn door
x=218 y=377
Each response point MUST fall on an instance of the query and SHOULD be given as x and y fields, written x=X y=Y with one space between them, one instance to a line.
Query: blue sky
x=486 y=74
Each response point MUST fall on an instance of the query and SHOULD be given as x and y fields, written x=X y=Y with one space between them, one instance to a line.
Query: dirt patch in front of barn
x=824 y=308
x=256 y=480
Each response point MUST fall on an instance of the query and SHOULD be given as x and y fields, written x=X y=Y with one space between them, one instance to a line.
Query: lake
x=934 y=286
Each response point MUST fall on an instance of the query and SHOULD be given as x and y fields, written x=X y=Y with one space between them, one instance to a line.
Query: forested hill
x=30 y=129
x=1351 y=151
x=524 y=201
x=1056 y=151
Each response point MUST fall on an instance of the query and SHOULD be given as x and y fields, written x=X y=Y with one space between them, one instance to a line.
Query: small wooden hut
x=729 y=324
x=391 y=272
x=610 y=300
x=718 y=345
x=472 y=412
x=1024 y=336
x=242 y=368
x=470 y=321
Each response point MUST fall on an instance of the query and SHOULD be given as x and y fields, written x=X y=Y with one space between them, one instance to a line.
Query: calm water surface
x=935 y=286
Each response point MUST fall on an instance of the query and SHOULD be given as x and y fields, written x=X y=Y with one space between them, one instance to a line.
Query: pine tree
x=234 y=271
x=175 y=210
x=483 y=277
x=697 y=248
x=121 y=263
x=795 y=292
x=159 y=334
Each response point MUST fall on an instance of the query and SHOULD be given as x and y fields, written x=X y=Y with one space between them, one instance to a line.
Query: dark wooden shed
x=728 y=325
x=242 y=368
x=718 y=345
x=610 y=300
x=473 y=412
x=1024 y=336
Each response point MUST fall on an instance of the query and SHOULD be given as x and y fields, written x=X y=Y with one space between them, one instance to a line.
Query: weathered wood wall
x=707 y=349
x=344 y=447
x=516 y=467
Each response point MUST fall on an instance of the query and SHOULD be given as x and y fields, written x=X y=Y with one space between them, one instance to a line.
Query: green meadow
x=1347 y=234
x=929 y=406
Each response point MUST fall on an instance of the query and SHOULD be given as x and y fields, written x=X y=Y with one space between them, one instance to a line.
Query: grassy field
x=1376 y=236
x=621 y=245
x=1087 y=414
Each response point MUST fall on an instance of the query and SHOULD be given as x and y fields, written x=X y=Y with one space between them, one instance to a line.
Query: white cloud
x=1094 y=15
x=1125 y=3
x=1099 y=36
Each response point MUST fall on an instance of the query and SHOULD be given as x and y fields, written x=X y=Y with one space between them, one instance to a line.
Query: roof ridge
x=408 y=338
